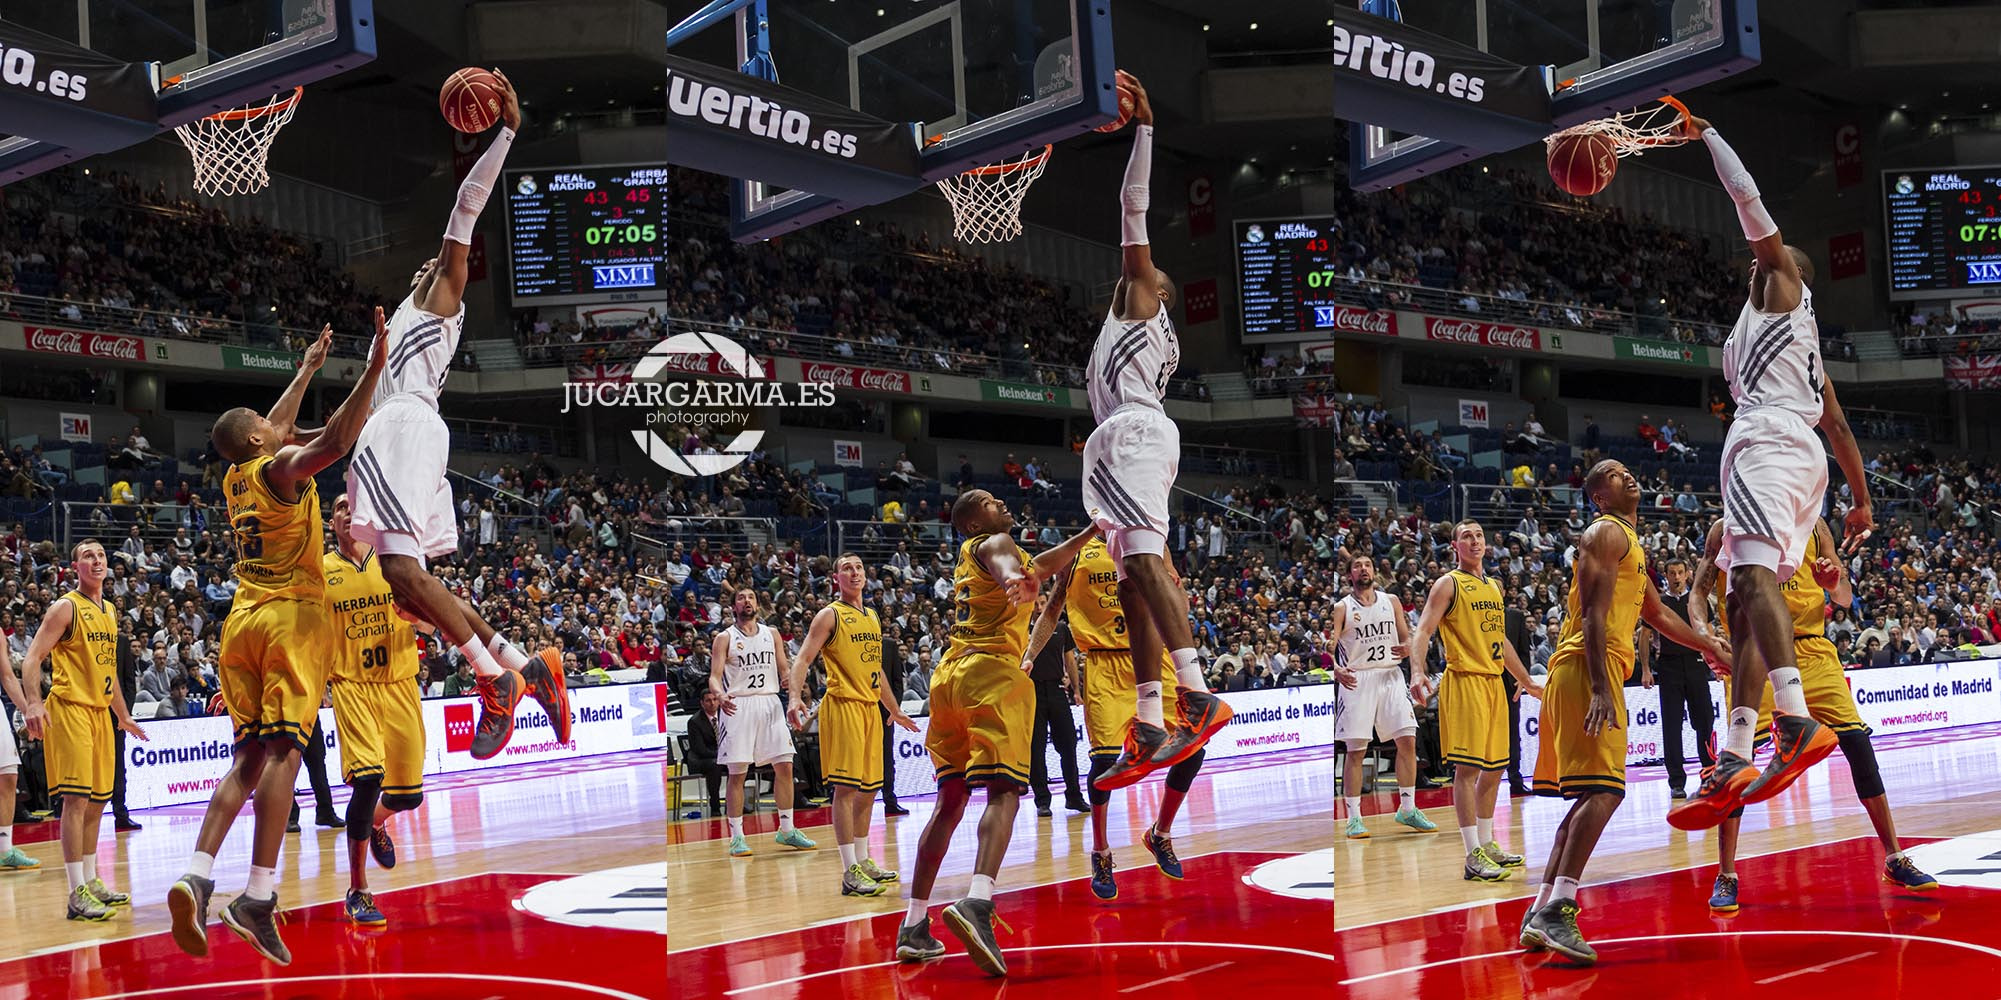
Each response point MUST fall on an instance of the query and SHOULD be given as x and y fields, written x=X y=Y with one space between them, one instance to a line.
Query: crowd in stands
x=1931 y=330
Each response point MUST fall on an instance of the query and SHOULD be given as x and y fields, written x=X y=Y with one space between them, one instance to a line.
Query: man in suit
x=1518 y=637
x=892 y=670
x=703 y=741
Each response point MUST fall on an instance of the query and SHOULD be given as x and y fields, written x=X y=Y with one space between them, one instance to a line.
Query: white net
x=1636 y=131
x=986 y=201
x=229 y=148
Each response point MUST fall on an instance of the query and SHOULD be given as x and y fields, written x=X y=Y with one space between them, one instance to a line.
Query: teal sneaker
x=15 y=861
x=1416 y=820
x=1356 y=831
x=738 y=848
x=795 y=840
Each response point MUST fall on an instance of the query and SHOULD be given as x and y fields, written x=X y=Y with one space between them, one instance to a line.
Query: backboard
x=1604 y=56
x=974 y=80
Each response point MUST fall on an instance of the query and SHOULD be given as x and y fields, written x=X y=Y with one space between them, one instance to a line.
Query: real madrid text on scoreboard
x=1287 y=275
x=1943 y=226
x=586 y=234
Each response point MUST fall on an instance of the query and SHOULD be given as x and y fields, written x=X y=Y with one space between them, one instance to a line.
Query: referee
x=892 y=670
x=1053 y=722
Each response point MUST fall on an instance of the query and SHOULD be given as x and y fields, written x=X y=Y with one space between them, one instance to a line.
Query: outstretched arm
x=448 y=288
x=1861 y=521
x=1045 y=623
x=1783 y=283
x=284 y=415
x=296 y=463
x=1138 y=296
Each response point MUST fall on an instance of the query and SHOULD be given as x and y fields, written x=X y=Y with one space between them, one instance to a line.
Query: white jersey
x=1132 y=362
x=753 y=664
x=421 y=347
x=1370 y=633
x=1772 y=360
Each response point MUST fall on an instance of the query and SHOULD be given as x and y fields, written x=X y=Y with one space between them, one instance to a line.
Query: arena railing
x=733 y=533
x=1500 y=507
x=1376 y=293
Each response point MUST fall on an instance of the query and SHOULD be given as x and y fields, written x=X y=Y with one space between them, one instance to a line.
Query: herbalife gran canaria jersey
x=1475 y=625
x=278 y=543
x=1622 y=619
x=1092 y=602
x=371 y=642
x=985 y=621
x=853 y=654
x=85 y=660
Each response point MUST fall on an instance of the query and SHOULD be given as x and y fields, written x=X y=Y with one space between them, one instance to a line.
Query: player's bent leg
x=1898 y=869
x=1723 y=895
x=1158 y=839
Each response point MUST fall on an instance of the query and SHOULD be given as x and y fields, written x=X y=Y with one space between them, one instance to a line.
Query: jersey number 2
x=1497 y=651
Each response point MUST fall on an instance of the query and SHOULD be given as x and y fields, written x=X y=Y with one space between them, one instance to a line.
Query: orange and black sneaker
x=1719 y=795
x=1143 y=742
x=1202 y=714
x=544 y=675
x=1798 y=743
x=497 y=697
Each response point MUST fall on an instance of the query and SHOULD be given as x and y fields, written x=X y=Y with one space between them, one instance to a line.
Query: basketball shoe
x=877 y=872
x=855 y=882
x=383 y=848
x=15 y=861
x=84 y=906
x=105 y=895
x=973 y=921
x=1719 y=795
x=1481 y=868
x=1555 y=927
x=795 y=840
x=1202 y=715
x=497 y=697
x=1103 y=885
x=914 y=943
x=256 y=921
x=1356 y=830
x=738 y=847
x=1162 y=848
x=360 y=908
x=1899 y=871
x=544 y=676
x=187 y=904
x=1798 y=743
x=1416 y=820
x=1723 y=898
x=1144 y=740
x=1528 y=941
x=1503 y=858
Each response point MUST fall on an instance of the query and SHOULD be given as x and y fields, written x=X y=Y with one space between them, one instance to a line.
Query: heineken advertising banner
x=245 y=359
x=1024 y=392
x=1628 y=349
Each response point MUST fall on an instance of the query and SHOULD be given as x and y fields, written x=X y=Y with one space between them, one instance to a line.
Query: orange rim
x=1008 y=168
x=244 y=114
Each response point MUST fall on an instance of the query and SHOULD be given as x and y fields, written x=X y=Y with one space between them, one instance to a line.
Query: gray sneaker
x=1481 y=868
x=187 y=902
x=256 y=922
x=1528 y=941
x=84 y=906
x=1555 y=926
x=973 y=921
x=914 y=943
x=857 y=883
x=1503 y=858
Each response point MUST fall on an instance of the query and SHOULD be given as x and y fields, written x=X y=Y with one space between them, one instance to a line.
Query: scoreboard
x=1944 y=230
x=1286 y=275
x=586 y=234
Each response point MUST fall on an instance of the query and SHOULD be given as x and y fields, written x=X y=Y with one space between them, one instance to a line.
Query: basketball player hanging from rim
x=1774 y=480
x=1130 y=461
x=402 y=505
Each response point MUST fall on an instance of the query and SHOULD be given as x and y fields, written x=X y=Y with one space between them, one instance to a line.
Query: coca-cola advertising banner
x=1478 y=334
x=106 y=346
x=1355 y=319
x=851 y=377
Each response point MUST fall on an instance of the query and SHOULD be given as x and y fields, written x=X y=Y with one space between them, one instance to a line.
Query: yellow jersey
x=1806 y=602
x=1622 y=619
x=853 y=654
x=277 y=543
x=1475 y=625
x=985 y=621
x=371 y=642
x=84 y=662
x=1092 y=602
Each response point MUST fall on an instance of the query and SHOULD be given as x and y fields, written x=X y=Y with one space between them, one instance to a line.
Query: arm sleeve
x=1134 y=195
x=477 y=186
x=1743 y=190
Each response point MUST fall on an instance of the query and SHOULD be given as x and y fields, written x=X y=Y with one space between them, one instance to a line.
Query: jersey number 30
x=374 y=656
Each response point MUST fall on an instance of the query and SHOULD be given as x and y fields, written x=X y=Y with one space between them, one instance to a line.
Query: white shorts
x=396 y=482
x=756 y=735
x=1379 y=705
x=1130 y=462
x=10 y=752
x=1774 y=482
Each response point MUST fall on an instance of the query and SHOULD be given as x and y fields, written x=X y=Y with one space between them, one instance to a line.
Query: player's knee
x=402 y=801
x=1099 y=765
x=1862 y=767
x=1181 y=777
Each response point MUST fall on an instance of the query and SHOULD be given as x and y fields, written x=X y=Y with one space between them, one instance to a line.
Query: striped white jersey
x=421 y=347
x=1369 y=635
x=1132 y=362
x=1772 y=361
x=753 y=664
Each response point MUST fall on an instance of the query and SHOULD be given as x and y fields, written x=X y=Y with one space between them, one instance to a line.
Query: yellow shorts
x=1109 y=698
x=851 y=743
x=79 y=756
x=1473 y=720
x=381 y=734
x=1569 y=762
x=982 y=721
x=273 y=669
x=1828 y=699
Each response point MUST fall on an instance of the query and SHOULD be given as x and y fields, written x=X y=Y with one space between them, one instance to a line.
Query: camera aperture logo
x=697 y=401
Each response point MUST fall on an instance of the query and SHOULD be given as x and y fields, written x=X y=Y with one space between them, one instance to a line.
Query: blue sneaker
x=1356 y=831
x=1723 y=899
x=1163 y=853
x=15 y=861
x=1103 y=885
x=795 y=840
x=1416 y=820
x=382 y=847
x=360 y=908
x=1898 y=871
x=738 y=848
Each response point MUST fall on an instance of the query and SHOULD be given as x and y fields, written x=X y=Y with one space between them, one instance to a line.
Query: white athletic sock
x=1743 y=725
x=736 y=826
x=263 y=883
x=506 y=653
x=89 y=867
x=1485 y=825
x=74 y=869
x=6 y=839
x=1406 y=798
x=483 y=664
x=1542 y=891
x=1149 y=704
x=1787 y=694
x=983 y=888
x=1562 y=889
x=784 y=820
x=1354 y=804
x=1188 y=670
x=916 y=911
x=201 y=865
x=847 y=856
x=1470 y=836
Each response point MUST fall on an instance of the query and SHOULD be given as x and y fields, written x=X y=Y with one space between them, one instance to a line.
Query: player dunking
x=982 y=721
x=1464 y=609
x=1582 y=753
x=11 y=858
x=1774 y=480
x=374 y=657
x=850 y=637
x=1088 y=596
x=1820 y=581
x=746 y=664
x=1373 y=630
x=402 y=503
x=79 y=636
x=273 y=665
x=1130 y=461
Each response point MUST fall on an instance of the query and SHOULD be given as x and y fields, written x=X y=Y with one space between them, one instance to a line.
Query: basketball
x=1126 y=104
x=470 y=100
x=1582 y=164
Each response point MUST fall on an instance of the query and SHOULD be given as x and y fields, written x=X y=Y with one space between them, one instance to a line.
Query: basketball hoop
x=1634 y=132
x=986 y=201
x=229 y=147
